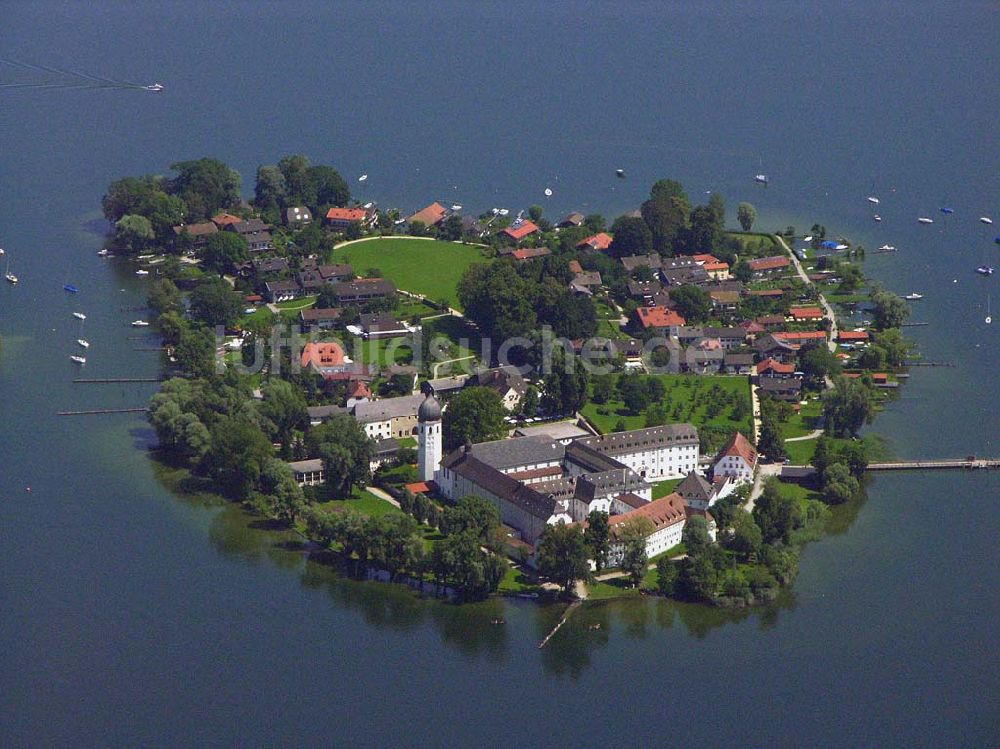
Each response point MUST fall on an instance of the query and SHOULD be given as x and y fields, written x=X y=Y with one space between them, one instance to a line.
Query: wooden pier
x=116 y=380
x=937 y=465
x=102 y=411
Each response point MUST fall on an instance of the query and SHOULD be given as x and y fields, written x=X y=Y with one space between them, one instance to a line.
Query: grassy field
x=689 y=398
x=663 y=488
x=804 y=421
x=362 y=502
x=420 y=266
x=757 y=244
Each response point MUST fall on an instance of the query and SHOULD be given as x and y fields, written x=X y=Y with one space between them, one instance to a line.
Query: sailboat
x=78 y=359
x=81 y=340
x=11 y=278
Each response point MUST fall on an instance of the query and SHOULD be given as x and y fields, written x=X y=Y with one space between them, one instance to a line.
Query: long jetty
x=936 y=465
x=114 y=380
x=102 y=411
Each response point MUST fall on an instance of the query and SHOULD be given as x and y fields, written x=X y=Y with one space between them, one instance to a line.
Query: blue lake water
x=129 y=617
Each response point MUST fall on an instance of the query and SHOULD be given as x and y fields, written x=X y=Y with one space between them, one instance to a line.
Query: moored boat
x=140 y=324
x=79 y=359
x=925 y=220
x=79 y=316
x=83 y=342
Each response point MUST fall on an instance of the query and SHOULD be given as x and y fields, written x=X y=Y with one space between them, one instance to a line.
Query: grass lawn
x=297 y=304
x=663 y=488
x=515 y=581
x=804 y=421
x=801 y=452
x=757 y=244
x=364 y=502
x=689 y=398
x=379 y=351
x=650 y=579
x=425 y=267
x=599 y=591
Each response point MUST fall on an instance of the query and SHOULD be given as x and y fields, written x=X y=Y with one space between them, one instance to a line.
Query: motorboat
x=877 y=217
x=985 y=270
x=79 y=359
x=142 y=272
x=79 y=316
x=760 y=179
x=140 y=324
x=83 y=342
x=11 y=278
x=925 y=220
x=104 y=252
x=986 y=219
x=456 y=207
x=548 y=192
x=887 y=248
x=504 y=211
x=70 y=288
x=913 y=296
x=620 y=173
x=947 y=210
x=807 y=239
x=154 y=87
x=362 y=178
x=840 y=247
x=873 y=200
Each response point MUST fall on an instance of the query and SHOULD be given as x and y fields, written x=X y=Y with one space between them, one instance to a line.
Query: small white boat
x=456 y=207
x=620 y=173
x=79 y=359
x=873 y=200
x=140 y=324
x=83 y=342
x=985 y=270
x=504 y=211
x=913 y=296
x=11 y=278
x=362 y=178
x=104 y=252
x=840 y=247
x=986 y=219
x=760 y=179
x=142 y=272
x=887 y=248
x=877 y=217
x=154 y=87
x=79 y=316
x=548 y=192
x=925 y=220
x=807 y=239
x=2 y=253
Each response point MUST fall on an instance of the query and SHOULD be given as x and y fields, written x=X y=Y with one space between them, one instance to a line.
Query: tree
x=285 y=406
x=237 y=457
x=667 y=221
x=346 y=451
x=125 y=195
x=299 y=186
x=329 y=186
x=205 y=185
x=896 y=349
x=692 y=302
x=695 y=536
x=451 y=228
x=633 y=392
x=776 y=515
x=633 y=535
x=631 y=236
x=847 y=406
x=282 y=497
x=888 y=310
x=460 y=561
x=718 y=207
x=224 y=250
x=704 y=231
x=270 y=189
x=698 y=578
x=838 y=484
x=195 y=352
x=214 y=302
x=164 y=296
x=666 y=576
x=771 y=443
x=133 y=233
x=498 y=300
x=602 y=387
x=742 y=271
x=746 y=538
x=529 y=403
x=817 y=361
x=164 y=213
x=851 y=277
x=476 y=414
x=566 y=388
x=472 y=513
x=665 y=189
x=597 y=535
x=562 y=555
x=746 y=214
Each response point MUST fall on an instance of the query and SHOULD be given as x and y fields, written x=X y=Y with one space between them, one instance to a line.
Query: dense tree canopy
x=848 y=406
x=213 y=302
x=224 y=250
x=476 y=414
x=562 y=555
x=205 y=185
x=631 y=237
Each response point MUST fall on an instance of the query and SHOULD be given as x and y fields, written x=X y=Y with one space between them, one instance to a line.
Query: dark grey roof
x=694 y=487
x=386 y=447
x=617 y=443
x=430 y=409
x=511 y=453
x=500 y=485
x=273 y=286
x=631 y=262
x=253 y=226
x=589 y=458
x=780 y=384
x=365 y=287
x=380 y=322
x=270 y=265
x=324 y=412
x=388 y=408
x=738 y=359
x=500 y=379
x=617 y=481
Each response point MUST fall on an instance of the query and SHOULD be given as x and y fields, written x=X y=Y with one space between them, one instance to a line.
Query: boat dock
x=102 y=411
x=970 y=463
x=115 y=380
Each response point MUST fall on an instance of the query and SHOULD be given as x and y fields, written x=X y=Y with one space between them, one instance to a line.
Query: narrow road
x=381 y=495
x=763 y=472
x=448 y=361
x=827 y=309
x=811 y=436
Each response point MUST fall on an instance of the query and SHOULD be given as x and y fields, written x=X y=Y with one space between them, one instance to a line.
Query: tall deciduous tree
x=133 y=233
x=746 y=214
x=346 y=451
x=631 y=237
x=597 y=534
x=224 y=250
x=562 y=555
x=214 y=302
x=476 y=414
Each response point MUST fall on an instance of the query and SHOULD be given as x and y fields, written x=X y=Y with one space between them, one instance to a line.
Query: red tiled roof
x=852 y=335
x=322 y=355
x=422 y=487
x=358 y=389
x=346 y=214
x=530 y=252
x=520 y=231
x=802 y=335
x=601 y=241
x=769 y=263
x=430 y=215
x=806 y=313
x=225 y=219
x=254 y=298
x=661 y=513
x=773 y=365
x=575 y=267
x=659 y=317
x=752 y=327
x=739 y=446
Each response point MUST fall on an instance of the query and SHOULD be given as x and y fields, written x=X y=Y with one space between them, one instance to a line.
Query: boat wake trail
x=59 y=78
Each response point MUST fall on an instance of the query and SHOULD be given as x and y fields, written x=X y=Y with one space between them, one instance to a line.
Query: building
x=703 y=357
x=645 y=291
x=381 y=325
x=429 y=437
x=801 y=336
x=389 y=417
x=724 y=301
x=339 y=219
x=282 y=291
x=519 y=230
x=297 y=217
x=655 y=453
x=432 y=215
x=775 y=369
x=268 y=266
x=571 y=219
x=222 y=220
x=769 y=347
x=693 y=275
x=254 y=231
x=325 y=319
x=737 y=363
x=660 y=319
x=788 y=389
x=324 y=358
x=805 y=314
x=737 y=459
x=714 y=267
x=530 y=253
x=562 y=432
x=506 y=381
x=665 y=519
x=586 y=281
x=633 y=262
x=363 y=290
x=199 y=232
x=852 y=336
x=308 y=472
x=769 y=267
x=596 y=243
x=319 y=414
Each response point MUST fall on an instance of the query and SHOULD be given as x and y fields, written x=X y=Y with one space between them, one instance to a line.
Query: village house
x=381 y=325
x=805 y=314
x=222 y=220
x=363 y=290
x=340 y=219
x=255 y=232
x=700 y=494
x=432 y=215
x=705 y=356
x=585 y=282
x=506 y=381
x=769 y=347
x=282 y=291
x=724 y=301
x=682 y=275
x=771 y=322
x=737 y=363
x=775 y=368
x=715 y=268
x=659 y=319
x=632 y=262
x=801 y=337
x=519 y=231
x=571 y=220
x=644 y=290
x=852 y=336
x=357 y=392
x=530 y=253
x=268 y=266
x=319 y=414
x=737 y=459
x=788 y=389
x=308 y=472
x=596 y=243
x=323 y=358
x=389 y=417
x=198 y=233
x=769 y=267
x=666 y=517
x=447 y=386
x=324 y=319
x=298 y=217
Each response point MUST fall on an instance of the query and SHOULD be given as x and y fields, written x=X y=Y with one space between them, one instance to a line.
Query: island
x=506 y=403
